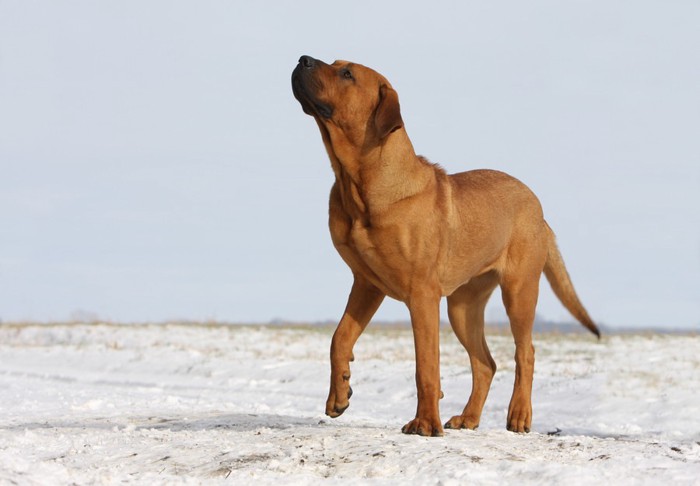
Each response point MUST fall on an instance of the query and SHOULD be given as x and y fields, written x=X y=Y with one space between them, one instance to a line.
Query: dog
x=410 y=231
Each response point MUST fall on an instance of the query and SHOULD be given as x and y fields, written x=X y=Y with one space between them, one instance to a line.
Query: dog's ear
x=387 y=116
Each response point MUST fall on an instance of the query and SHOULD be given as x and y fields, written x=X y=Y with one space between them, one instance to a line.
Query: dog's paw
x=334 y=408
x=424 y=427
x=460 y=422
x=339 y=397
x=519 y=419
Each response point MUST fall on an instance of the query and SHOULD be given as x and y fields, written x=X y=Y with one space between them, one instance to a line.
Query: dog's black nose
x=307 y=61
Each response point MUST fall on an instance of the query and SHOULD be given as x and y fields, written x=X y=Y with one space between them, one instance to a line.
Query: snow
x=217 y=404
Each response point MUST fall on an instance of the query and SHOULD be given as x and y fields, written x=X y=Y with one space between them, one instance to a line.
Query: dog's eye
x=346 y=74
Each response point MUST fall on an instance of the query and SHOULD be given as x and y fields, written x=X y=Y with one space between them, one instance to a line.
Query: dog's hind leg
x=363 y=302
x=520 y=299
x=465 y=308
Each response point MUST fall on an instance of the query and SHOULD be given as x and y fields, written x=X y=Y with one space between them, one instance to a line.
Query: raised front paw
x=462 y=422
x=427 y=427
x=339 y=396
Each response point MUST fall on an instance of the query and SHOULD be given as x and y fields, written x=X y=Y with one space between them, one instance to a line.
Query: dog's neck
x=371 y=181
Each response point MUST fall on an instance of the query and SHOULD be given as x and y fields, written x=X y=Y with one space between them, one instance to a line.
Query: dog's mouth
x=304 y=85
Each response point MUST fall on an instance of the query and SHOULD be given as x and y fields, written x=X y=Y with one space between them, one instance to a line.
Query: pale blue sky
x=155 y=165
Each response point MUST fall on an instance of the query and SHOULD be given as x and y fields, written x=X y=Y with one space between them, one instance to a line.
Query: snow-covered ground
x=152 y=404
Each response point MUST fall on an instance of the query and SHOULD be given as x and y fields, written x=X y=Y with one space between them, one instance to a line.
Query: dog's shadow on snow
x=235 y=422
x=240 y=422
x=248 y=422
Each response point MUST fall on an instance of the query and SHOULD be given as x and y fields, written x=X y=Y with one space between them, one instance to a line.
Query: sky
x=154 y=164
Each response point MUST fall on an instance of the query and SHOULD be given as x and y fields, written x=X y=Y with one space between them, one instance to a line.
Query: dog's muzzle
x=305 y=85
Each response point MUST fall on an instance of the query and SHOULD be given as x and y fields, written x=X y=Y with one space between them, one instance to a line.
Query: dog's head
x=348 y=97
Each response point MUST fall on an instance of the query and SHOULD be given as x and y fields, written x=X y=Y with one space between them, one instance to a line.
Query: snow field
x=193 y=404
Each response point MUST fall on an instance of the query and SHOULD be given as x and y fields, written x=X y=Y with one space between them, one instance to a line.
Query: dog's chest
x=382 y=255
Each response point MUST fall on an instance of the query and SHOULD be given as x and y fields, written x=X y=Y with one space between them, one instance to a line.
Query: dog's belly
x=456 y=272
x=396 y=259
x=396 y=269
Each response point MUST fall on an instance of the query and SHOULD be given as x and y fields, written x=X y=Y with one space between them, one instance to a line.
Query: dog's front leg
x=363 y=302
x=425 y=320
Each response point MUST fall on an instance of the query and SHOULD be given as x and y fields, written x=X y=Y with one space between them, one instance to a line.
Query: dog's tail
x=559 y=279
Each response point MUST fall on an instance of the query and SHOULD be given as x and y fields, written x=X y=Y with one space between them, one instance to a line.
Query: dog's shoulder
x=485 y=178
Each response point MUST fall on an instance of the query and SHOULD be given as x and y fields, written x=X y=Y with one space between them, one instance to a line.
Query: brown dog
x=410 y=231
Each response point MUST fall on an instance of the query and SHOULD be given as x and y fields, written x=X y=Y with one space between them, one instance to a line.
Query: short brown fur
x=408 y=230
